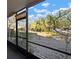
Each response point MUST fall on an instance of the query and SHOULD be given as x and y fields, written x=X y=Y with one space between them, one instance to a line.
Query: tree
x=64 y=22
x=50 y=22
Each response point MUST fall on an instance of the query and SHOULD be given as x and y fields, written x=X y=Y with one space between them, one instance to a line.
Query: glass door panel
x=49 y=27
x=12 y=29
x=22 y=33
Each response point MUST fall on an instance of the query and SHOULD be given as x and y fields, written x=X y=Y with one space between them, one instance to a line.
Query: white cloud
x=40 y=15
x=40 y=10
x=30 y=16
x=48 y=12
x=55 y=11
x=63 y=8
x=53 y=5
x=45 y=4
x=35 y=17
x=43 y=13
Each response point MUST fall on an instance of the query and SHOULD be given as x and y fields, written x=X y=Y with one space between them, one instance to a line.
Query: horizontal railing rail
x=64 y=52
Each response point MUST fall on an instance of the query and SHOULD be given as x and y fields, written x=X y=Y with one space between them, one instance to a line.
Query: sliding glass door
x=21 y=26
x=22 y=33
x=12 y=29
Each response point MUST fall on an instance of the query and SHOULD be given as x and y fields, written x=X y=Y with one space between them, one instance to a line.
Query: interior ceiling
x=15 y=5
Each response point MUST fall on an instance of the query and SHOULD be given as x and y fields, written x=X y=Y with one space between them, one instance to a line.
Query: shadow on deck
x=13 y=54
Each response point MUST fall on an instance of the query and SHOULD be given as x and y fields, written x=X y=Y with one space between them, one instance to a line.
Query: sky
x=48 y=7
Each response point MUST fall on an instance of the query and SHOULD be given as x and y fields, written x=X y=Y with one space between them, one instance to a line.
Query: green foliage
x=50 y=22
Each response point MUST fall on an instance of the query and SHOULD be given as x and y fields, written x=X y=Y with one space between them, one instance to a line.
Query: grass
x=46 y=34
x=43 y=34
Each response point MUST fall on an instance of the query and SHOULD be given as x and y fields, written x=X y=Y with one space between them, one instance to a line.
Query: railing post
x=26 y=28
x=16 y=32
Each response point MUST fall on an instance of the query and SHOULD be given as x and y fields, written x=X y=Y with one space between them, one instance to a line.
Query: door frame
x=26 y=17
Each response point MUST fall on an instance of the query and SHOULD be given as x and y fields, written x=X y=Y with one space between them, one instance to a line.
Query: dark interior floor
x=12 y=54
x=16 y=52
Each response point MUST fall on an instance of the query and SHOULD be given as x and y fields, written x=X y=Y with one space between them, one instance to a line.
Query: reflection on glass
x=22 y=43
x=45 y=53
x=22 y=28
x=22 y=33
x=12 y=29
x=50 y=25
